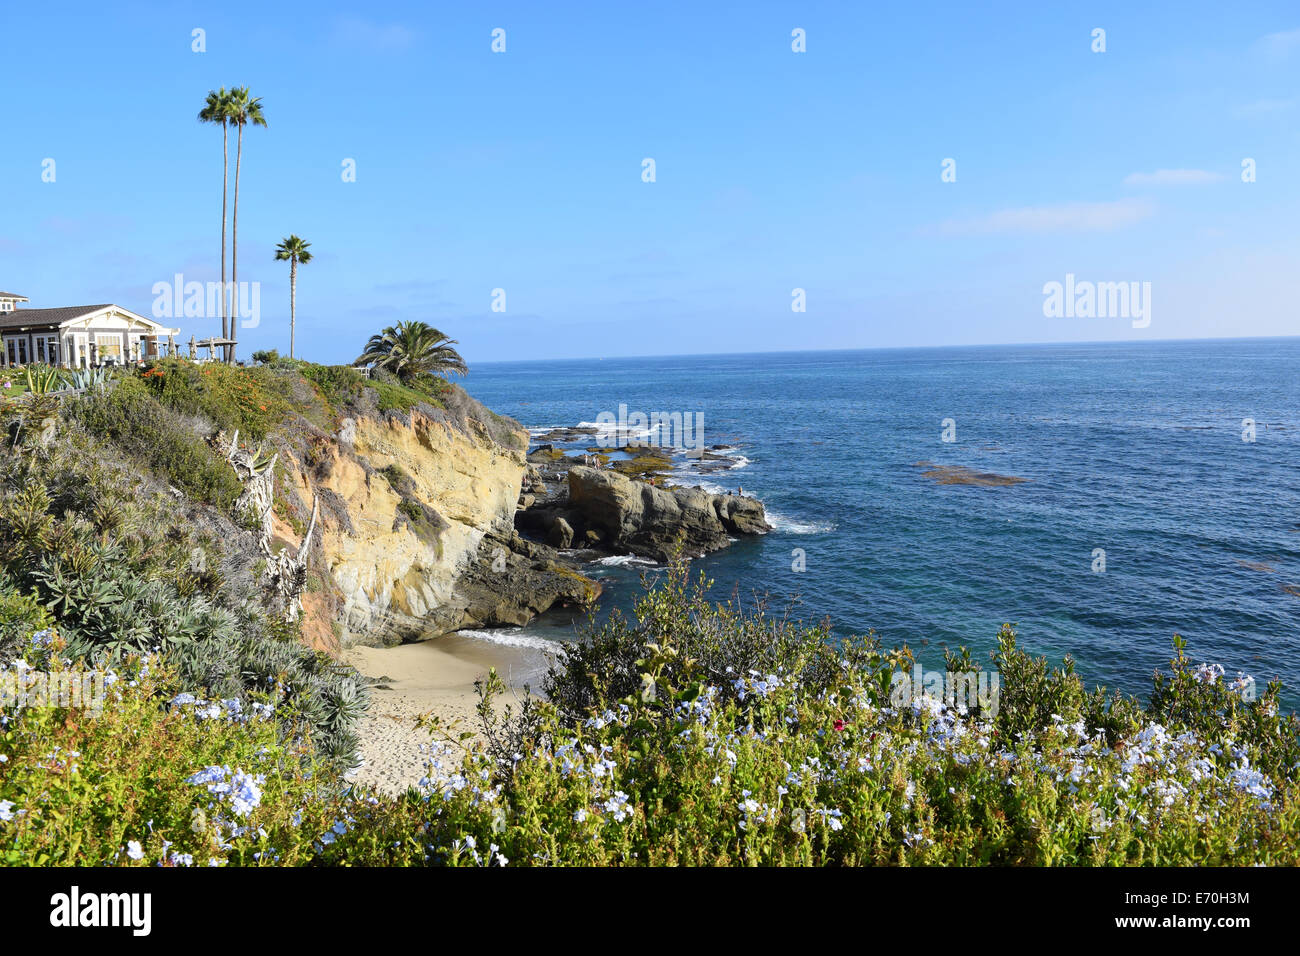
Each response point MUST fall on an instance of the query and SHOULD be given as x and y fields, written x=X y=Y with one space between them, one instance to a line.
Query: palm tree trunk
x=225 y=181
x=293 y=301
x=234 y=247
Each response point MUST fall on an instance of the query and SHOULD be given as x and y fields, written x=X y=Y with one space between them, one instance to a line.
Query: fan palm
x=412 y=349
x=242 y=110
x=216 y=109
x=295 y=251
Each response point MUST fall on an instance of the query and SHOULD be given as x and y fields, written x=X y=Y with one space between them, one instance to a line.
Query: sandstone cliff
x=417 y=534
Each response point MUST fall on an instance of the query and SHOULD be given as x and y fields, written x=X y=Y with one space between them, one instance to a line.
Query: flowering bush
x=119 y=788
x=804 y=762
x=227 y=396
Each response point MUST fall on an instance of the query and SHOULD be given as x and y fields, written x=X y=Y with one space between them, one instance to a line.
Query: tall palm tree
x=294 y=250
x=243 y=110
x=411 y=350
x=216 y=109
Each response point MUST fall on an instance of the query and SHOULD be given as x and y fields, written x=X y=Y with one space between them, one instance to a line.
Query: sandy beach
x=433 y=677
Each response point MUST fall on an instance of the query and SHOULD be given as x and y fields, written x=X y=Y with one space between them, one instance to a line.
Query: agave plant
x=91 y=378
x=43 y=379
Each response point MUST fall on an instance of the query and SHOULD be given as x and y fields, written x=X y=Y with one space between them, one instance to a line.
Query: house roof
x=12 y=295
x=31 y=318
x=22 y=318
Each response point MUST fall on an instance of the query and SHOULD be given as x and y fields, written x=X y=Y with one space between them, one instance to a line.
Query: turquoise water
x=1135 y=449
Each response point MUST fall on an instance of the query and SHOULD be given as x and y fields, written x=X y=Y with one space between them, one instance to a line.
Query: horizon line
x=887 y=348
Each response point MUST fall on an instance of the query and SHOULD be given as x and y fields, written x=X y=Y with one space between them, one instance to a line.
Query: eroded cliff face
x=417 y=531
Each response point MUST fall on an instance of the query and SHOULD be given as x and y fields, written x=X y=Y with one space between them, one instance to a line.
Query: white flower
x=1209 y=673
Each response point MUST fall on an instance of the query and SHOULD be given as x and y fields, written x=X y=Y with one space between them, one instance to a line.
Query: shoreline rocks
x=612 y=512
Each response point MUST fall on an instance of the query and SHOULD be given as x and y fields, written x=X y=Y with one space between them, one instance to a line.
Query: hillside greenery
x=803 y=760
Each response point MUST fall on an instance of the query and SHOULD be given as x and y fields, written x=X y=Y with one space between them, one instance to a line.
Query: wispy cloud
x=1172 y=177
x=375 y=37
x=1062 y=217
x=1266 y=106
x=1279 y=46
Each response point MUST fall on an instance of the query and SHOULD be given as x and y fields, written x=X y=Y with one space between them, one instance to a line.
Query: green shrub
x=100 y=790
x=395 y=397
x=339 y=385
x=227 y=396
x=134 y=419
x=20 y=616
x=397 y=478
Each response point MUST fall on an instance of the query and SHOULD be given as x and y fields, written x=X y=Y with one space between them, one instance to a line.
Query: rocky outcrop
x=612 y=512
x=417 y=535
x=421 y=514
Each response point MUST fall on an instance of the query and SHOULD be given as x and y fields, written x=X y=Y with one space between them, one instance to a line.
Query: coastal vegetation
x=691 y=733
x=118 y=567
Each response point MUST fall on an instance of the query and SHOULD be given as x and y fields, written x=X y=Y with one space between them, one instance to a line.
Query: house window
x=109 y=347
x=17 y=351
x=47 y=349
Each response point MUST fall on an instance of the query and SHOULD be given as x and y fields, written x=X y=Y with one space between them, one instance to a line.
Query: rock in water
x=650 y=521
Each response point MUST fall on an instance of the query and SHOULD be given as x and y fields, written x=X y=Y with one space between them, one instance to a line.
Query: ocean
x=1144 y=512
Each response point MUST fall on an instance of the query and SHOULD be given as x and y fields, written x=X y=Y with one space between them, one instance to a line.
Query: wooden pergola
x=211 y=344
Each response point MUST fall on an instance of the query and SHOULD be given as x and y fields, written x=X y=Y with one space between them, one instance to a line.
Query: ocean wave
x=612 y=430
x=785 y=523
x=622 y=560
x=687 y=480
x=514 y=637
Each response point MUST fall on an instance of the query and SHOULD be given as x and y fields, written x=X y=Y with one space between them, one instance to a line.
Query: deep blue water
x=1133 y=448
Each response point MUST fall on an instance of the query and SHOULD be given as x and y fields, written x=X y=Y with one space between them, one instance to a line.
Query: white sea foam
x=780 y=522
x=622 y=560
x=611 y=430
x=687 y=480
x=514 y=637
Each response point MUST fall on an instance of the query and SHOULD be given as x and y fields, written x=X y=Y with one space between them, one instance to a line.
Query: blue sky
x=775 y=170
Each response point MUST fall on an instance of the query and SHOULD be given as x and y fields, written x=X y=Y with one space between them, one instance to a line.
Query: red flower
x=839 y=725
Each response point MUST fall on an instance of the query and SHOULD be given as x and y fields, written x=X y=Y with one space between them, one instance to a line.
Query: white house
x=78 y=336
